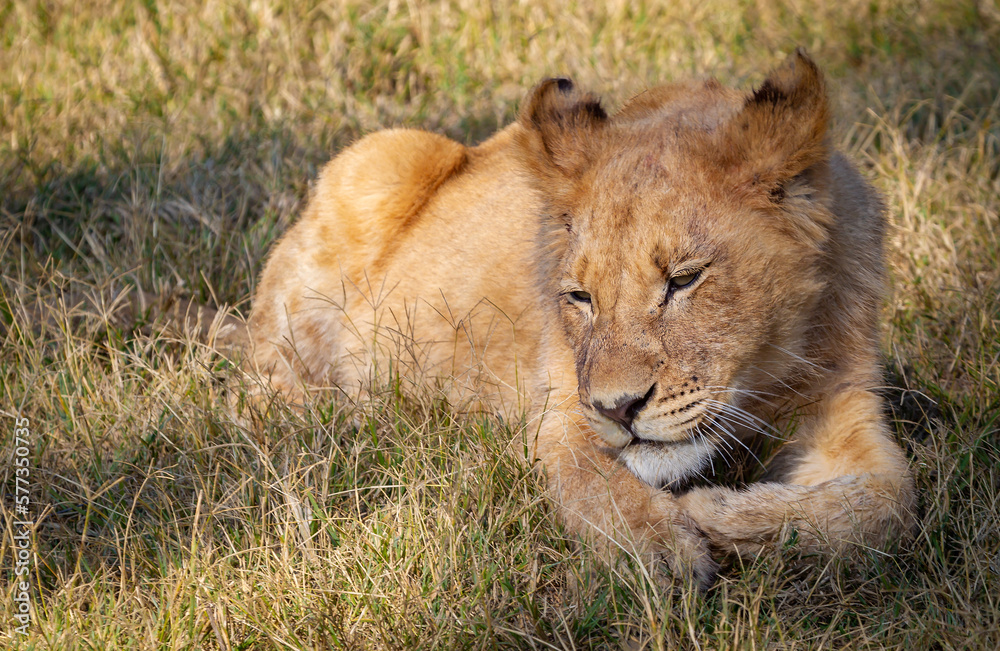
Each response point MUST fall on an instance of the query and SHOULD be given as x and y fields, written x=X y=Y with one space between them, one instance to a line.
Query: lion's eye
x=684 y=280
x=580 y=297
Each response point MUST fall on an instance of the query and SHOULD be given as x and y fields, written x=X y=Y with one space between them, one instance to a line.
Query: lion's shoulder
x=376 y=188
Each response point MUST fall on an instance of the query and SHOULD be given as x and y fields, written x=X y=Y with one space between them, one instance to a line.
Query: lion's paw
x=682 y=546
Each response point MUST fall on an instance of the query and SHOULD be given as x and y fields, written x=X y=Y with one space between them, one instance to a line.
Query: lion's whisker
x=796 y=357
x=750 y=393
x=738 y=416
x=735 y=438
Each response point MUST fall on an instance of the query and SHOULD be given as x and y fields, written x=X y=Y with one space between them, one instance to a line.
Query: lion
x=656 y=291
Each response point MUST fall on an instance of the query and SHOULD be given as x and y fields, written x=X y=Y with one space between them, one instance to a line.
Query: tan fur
x=540 y=273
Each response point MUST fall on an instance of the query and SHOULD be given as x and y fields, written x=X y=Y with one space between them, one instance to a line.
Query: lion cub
x=657 y=290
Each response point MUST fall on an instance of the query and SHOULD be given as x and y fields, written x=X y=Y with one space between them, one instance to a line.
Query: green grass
x=165 y=145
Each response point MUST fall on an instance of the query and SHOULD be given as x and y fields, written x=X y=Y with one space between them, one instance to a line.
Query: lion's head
x=685 y=241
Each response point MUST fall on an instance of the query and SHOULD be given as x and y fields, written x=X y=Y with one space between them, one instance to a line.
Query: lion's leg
x=312 y=352
x=843 y=480
x=302 y=335
x=601 y=500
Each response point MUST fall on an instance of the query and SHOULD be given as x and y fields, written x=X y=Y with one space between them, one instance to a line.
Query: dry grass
x=165 y=146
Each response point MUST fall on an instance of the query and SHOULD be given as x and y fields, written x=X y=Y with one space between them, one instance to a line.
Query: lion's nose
x=625 y=410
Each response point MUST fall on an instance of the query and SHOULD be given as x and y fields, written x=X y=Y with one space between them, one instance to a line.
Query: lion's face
x=684 y=282
x=676 y=303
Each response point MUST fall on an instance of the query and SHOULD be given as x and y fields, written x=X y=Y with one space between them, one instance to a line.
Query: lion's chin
x=663 y=465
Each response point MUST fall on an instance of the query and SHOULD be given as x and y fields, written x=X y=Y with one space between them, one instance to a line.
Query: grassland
x=165 y=145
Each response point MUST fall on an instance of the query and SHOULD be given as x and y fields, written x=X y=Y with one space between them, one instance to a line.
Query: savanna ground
x=165 y=145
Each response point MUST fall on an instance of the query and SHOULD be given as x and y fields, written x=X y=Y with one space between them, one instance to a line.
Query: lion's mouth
x=658 y=453
x=676 y=434
x=656 y=430
x=639 y=441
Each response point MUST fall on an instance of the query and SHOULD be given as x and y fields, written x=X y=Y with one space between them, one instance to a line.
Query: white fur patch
x=662 y=464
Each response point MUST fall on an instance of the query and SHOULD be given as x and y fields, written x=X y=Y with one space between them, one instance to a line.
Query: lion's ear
x=560 y=123
x=780 y=132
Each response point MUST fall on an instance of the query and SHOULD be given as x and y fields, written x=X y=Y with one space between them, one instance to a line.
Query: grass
x=165 y=145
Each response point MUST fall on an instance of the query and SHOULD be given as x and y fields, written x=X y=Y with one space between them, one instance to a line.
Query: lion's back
x=413 y=235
